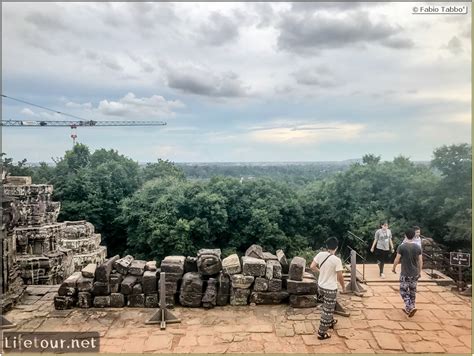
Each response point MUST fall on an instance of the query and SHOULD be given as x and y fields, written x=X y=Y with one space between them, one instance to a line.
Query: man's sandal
x=323 y=336
x=412 y=312
x=334 y=322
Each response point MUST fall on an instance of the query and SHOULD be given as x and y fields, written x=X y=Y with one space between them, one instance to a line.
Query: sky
x=238 y=82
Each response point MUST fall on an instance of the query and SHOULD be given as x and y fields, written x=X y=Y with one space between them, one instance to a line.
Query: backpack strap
x=324 y=261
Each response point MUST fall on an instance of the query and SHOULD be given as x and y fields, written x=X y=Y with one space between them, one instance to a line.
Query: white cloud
x=308 y=133
x=73 y=105
x=131 y=106
x=26 y=111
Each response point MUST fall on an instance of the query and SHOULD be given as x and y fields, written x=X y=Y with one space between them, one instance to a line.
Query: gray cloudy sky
x=238 y=81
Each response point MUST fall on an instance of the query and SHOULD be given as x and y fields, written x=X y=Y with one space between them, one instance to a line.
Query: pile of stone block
x=301 y=285
x=204 y=280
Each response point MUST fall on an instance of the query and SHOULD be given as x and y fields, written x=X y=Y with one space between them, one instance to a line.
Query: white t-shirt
x=328 y=272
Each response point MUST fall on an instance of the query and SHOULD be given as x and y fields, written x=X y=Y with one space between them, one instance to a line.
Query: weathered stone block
x=84 y=300
x=102 y=272
x=261 y=284
x=231 y=264
x=253 y=266
x=136 y=300
x=64 y=302
x=309 y=275
x=223 y=289
x=255 y=251
x=121 y=265
x=267 y=256
x=209 y=261
x=117 y=300
x=297 y=267
x=85 y=284
x=190 y=264
x=274 y=285
x=102 y=301
x=67 y=291
x=127 y=284
x=306 y=286
x=242 y=282
x=115 y=280
x=137 y=289
x=303 y=301
x=171 y=287
x=172 y=277
x=137 y=267
x=151 y=300
x=149 y=282
x=268 y=297
x=239 y=296
x=71 y=281
x=150 y=266
x=173 y=264
x=273 y=270
x=89 y=270
x=191 y=290
x=283 y=261
x=101 y=289
x=210 y=295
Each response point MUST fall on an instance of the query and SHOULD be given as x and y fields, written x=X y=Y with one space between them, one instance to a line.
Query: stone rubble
x=200 y=281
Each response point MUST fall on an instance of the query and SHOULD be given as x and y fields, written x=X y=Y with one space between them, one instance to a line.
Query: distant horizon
x=354 y=160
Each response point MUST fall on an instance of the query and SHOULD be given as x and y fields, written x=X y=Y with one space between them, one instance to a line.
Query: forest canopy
x=159 y=209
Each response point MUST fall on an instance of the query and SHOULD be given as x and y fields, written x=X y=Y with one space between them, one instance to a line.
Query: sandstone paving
x=377 y=325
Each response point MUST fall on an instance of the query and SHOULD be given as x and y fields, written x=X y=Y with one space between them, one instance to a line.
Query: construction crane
x=75 y=124
x=79 y=122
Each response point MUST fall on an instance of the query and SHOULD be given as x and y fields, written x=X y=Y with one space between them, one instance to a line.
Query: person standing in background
x=417 y=239
x=382 y=246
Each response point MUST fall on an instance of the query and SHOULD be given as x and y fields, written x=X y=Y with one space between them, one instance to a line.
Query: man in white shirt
x=417 y=239
x=330 y=270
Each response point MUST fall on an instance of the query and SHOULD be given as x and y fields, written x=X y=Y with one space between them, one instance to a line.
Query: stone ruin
x=205 y=280
x=12 y=284
x=37 y=247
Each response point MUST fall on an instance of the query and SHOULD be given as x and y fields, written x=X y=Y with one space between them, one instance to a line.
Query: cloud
x=454 y=45
x=104 y=60
x=467 y=31
x=26 y=111
x=201 y=81
x=398 y=42
x=46 y=21
x=266 y=14
x=142 y=63
x=307 y=133
x=319 y=76
x=73 y=105
x=131 y=106
x=312 y=33
x=143 y=17
x=334 y=6
x=219 y=29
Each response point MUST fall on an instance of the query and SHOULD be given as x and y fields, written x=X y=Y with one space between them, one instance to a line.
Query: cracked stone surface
x=441 y=325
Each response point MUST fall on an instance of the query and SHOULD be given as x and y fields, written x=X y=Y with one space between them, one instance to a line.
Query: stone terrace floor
x=377 y=325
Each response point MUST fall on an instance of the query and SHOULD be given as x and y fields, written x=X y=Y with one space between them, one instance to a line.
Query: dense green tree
x=161 y=169
x=12 y=169
x=453 y=216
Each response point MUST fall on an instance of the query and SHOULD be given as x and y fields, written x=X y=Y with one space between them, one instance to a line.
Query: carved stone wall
x=46 y=251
